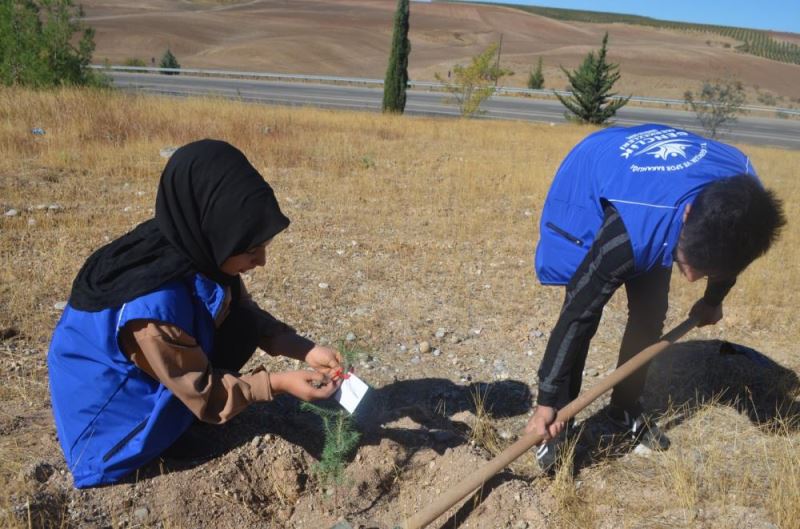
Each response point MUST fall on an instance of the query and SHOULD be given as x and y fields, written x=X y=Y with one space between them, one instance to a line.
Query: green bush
x=168 y=60
x=133 y=61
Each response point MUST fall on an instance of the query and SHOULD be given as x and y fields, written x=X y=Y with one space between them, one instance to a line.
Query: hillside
x=351 y=38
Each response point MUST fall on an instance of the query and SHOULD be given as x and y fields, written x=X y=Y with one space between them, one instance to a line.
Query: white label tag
x=351 y=392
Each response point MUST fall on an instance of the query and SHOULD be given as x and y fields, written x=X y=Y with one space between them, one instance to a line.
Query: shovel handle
x=524 y=443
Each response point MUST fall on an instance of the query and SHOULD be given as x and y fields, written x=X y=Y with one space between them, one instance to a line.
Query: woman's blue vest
x=112 y=417
x=649 y=173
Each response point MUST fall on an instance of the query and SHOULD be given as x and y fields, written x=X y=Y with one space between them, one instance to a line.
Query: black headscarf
x=211 y=204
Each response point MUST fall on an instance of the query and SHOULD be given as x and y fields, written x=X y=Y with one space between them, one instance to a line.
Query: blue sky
x=779 y=15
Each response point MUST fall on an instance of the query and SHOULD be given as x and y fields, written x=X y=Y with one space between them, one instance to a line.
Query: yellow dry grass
x=424 y=199
x=393 y=181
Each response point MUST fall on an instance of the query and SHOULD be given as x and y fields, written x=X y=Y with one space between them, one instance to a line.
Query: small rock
x=424 y=347
x=12 y=213
x=31 y=222
x=415 y=360
x=351 y=337
x=440 y=332
x=476 y=331
x=255 y=442
x=166 y=152
x=402 y=348
x=642 y=450
x=37 y=131
x=454 y=338
x=537 y=334
x=141 y=513
x=323 y=286
x=436 y=352
x=60 y=305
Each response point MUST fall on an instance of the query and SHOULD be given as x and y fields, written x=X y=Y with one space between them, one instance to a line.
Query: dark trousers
x=648 y=299
x=235 y=340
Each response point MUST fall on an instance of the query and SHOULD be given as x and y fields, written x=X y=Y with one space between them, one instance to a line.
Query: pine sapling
x=340 y=440
x=341 y=437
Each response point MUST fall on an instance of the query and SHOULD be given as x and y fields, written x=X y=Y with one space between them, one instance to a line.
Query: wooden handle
x=524 y=443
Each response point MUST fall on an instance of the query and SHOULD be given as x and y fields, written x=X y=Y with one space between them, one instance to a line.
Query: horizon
x=768 y=15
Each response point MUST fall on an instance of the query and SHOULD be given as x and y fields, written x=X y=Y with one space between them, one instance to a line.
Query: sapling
x=340 y=435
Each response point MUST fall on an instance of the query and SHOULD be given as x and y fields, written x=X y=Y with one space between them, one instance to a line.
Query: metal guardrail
x=413 y=84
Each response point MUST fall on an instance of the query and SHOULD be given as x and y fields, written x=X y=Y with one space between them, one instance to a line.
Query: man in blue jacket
x=624 y=206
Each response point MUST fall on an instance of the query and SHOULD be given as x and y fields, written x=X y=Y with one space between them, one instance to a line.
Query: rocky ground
x=439 y=409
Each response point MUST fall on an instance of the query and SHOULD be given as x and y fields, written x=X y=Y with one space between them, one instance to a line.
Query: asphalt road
x=748 y=129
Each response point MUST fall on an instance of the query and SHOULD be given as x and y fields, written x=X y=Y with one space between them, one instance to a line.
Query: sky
x=778 y=15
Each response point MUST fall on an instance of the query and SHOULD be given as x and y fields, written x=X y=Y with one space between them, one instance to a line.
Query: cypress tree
x=394 y=85
x=591 y=89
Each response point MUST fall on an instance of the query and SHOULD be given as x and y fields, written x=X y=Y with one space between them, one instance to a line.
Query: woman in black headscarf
x=158 y=324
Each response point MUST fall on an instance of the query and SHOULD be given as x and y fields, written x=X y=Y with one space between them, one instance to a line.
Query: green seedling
x=341 y=438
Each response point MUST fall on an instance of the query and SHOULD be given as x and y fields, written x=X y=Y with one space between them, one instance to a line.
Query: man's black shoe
x=549 y=454
x=641 y=428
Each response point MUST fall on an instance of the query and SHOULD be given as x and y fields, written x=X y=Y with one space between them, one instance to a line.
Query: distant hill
x=351 y=38
x=756 y=42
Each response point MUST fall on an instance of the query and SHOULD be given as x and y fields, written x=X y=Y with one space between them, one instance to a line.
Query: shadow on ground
x=692 y=374
x=429 y=403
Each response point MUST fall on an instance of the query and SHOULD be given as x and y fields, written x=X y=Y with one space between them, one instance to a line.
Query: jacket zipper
x=117 y=447
x=571 y=238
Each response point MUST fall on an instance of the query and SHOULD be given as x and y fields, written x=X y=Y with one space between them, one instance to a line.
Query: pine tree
x=168 y=60
x=536 y=79
x=394 y=85
x=591 y=100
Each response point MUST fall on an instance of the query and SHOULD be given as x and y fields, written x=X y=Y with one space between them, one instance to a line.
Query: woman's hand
x=305 y=385
x=325 y=360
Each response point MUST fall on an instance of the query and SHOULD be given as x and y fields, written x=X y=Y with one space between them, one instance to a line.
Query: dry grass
x=483 y=432
x=392 y=183
x=413 y=202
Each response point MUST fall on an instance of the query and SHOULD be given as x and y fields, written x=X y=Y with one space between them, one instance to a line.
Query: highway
x=749 y=129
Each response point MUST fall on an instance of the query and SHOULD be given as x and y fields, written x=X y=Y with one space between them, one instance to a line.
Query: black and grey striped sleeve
x=607 y=265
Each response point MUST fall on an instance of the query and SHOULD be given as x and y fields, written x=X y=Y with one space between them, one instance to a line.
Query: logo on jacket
x=666 y=149
x=663 y=145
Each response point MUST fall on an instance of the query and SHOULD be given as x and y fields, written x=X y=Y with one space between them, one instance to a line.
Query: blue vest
x=649 y=173
x=112 y=417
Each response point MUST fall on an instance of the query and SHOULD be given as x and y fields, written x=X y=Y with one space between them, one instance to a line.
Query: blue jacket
x=112 y=417
x=649 y=173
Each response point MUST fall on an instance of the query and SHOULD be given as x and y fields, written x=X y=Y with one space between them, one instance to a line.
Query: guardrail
x=413 y=84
